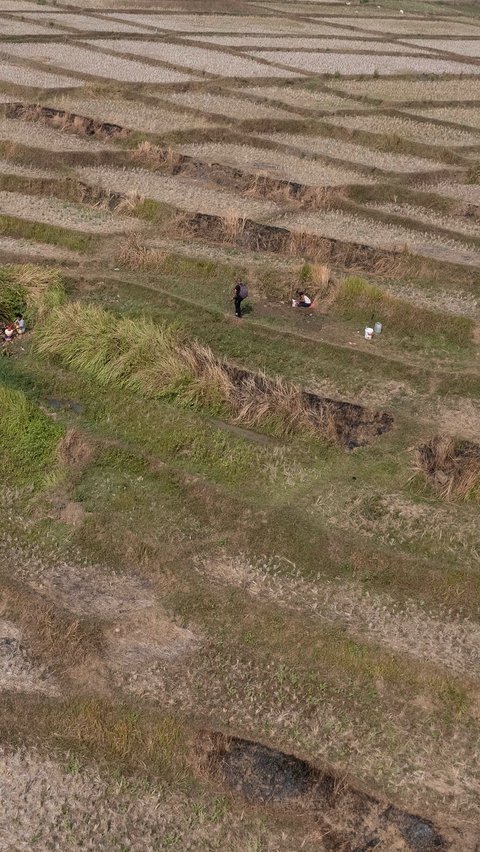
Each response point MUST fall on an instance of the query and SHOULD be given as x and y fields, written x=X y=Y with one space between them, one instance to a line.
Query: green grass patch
x=360 y=301
x=28 y=439
x=153 y=211
x=11 y=226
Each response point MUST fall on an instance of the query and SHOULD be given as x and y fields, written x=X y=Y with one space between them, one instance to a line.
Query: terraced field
x=239 y=605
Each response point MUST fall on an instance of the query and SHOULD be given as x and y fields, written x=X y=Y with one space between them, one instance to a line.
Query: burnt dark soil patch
x=451 y=465
x=348 y=424
x=354 y=821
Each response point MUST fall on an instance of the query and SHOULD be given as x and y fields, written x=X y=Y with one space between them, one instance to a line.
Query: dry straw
x=451 y=465
x=155 y=361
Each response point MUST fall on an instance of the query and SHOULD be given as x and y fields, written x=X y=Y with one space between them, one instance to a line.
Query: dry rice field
x=20 y=75
x=180 y=192
x=88 y=22
x=350 y=64
x=197 y=58
x=404 y=26
x=465 y=48
x=338 y=225
x=239 y=599
x=406 y=128
x=275 y=163
x=93 y=63
x=461 y=224
x=323 y=101
x=468 y=116
x=13 y=27
x=52 y=211
x=228 y=105
x=313 y=43
x=130 y=113
x=36 y=135
x=461 y=89
x=226 y=23
x=457 y=191
x=349 y=151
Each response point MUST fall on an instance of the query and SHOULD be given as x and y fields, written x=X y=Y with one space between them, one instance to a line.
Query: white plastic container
x=368 y=333
x=378 y=328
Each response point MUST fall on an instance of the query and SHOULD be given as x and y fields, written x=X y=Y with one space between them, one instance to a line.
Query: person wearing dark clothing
x=240 y=293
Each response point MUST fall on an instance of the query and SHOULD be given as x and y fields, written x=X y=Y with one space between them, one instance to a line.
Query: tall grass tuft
x=29 y=290
x=451 y=465
x=156 y=361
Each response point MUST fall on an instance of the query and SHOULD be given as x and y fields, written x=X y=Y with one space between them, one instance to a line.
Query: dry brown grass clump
x=156 y=361
x=136 y=255
x=451 y=465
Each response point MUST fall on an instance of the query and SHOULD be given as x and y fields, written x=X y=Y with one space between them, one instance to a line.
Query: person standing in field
x=240 y=292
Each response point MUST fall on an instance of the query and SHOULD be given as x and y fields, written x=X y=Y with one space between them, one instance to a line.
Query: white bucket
x=368 y=333
x=377 y=328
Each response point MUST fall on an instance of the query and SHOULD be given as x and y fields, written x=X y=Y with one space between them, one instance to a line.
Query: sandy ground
x=356 y=153
x=406 y=128
x=63 y=214
x=182 y=193
x=276 y=163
